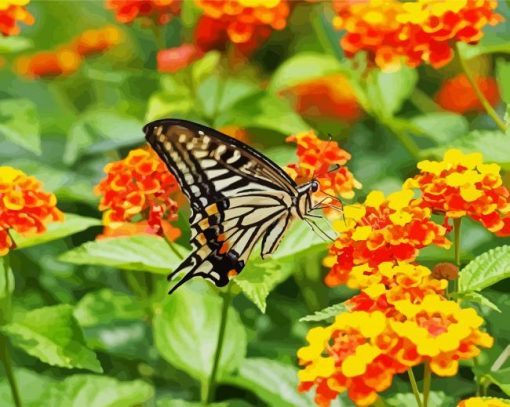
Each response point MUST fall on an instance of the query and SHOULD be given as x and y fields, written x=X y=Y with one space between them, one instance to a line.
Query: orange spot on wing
x=212 y=209
x=204 y=223
x=201 y=238
x=224 y=248
x=232 y=273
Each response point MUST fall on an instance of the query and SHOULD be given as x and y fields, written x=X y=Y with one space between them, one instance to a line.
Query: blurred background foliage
x=108 y=312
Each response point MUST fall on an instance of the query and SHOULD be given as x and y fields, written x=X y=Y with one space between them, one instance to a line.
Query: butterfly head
x=314 y=185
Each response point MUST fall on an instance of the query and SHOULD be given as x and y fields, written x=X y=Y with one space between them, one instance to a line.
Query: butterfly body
x=237 y=197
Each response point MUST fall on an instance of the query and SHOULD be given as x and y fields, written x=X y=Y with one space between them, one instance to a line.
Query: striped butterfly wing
x=237 y=197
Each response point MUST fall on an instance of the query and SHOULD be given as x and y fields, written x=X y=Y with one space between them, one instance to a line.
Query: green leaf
x=503 y=78
x=265 y=111
x=205 y=66
x=101 y=130
x=500 y=378
x=106 y=306
x=186 y=334
x=390 y=90
x=304 y=67
x=477 y=298
x=260 y=277
x=98 y=391
x=273 y=382
x=326 y=313
x=6 y=289
x=26 y=379
x=19 y=123
x=52 y=335
x=141 y=253
x=57 y=230
x=184 y=403
x=164 y=104
x=441 y=127
x=436 y=399
x=13 y=44
x=485 y=270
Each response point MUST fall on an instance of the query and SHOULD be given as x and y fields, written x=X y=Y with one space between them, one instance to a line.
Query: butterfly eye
x=314 y=186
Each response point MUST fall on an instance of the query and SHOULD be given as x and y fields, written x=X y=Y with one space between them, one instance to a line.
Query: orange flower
x=236 y=132
x=440 y=332
x=97 y=40
x=161 y=11
x=392 y=282
x=330 y=96
x=49 y=63
x=24 y=206
x=462 y=185
x=245 y=23
x=315 y=159
x=448 y=96
x=172 y=60
x=483 y=402
x=12 y=12
x=424 y=31
x=346 y=357
x=380 y=230
x=137 y=189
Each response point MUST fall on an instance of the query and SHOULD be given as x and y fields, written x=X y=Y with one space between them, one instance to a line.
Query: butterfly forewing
x=237 y=197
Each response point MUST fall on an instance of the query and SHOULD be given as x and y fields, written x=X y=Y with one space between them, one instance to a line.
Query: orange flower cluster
x=484 y=402
x=329 y=96
x=12 y=12
x=380 y=230
x=172 y=60
x=244 y=23
x=462 y=185
x=448 y=96
x=137 y=190
x=160 y=11
x=67 y=58
x=316 y=157
x=393 y=32
x=24 y=206
x=362 y=351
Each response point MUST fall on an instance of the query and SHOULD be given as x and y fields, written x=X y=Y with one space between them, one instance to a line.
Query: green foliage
x=140 y=253
x=486 y=270
x=10 y=45
x=52 y=335
x=19 y=123
x=186 y=328
x=325 y=314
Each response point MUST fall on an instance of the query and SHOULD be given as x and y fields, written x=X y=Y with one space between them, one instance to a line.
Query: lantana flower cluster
x=158 y=11
x=423 y=31
x=244 y=23
x=316 y=159
x=24 y=207
x=406 y=316
x=67 y=58
x=13 y=12
x=136 y=197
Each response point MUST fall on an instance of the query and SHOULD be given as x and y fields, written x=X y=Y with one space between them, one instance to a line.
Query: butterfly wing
x=237 y=196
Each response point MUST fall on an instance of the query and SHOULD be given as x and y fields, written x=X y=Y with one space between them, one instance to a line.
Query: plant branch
x=427 y=378
x=414 y=386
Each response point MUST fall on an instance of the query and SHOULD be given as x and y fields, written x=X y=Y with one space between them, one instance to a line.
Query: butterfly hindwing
x=237 y=197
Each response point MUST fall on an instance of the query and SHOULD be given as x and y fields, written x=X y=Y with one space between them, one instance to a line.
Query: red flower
x=172 y=60
x=160 y=11
x=49 y=63
x=449 y=97
x=24 y=206
x=137 y=190
x=97 y=40
x=12 y=12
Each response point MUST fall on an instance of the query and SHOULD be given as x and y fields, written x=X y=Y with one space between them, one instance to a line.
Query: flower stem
x=414 y=386
x=479 y=94
x=456 y=246
x=210 y=388
x=5 y=312
x=427 y=378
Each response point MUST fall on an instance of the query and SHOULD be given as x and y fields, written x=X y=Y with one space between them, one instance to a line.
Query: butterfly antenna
x=312 y=224
x=330 y=138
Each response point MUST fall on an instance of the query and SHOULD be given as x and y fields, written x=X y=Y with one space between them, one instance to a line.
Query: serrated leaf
x=441 y=127
x=265 y=111
x=326 y=313
x=52 y=335
x=274 y=382
x=19 y=123
x=98 y=391
x=473 y=296
x=304 y=67
x=186 y=333
x=485 y=270
x=100 y=130
x=141 y=253
x=57 y=230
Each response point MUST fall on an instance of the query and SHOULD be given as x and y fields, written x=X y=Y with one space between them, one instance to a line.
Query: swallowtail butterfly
x=237 y=197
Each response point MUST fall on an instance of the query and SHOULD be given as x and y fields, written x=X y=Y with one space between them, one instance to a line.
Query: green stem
x=135 y=285
x=210 y=387
x=414 y=386
x=159 y=35
x=479 y=94
x=5 y=356
x=407 y=142
x=456 y=246
x=476 y=366
x=427 y=378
